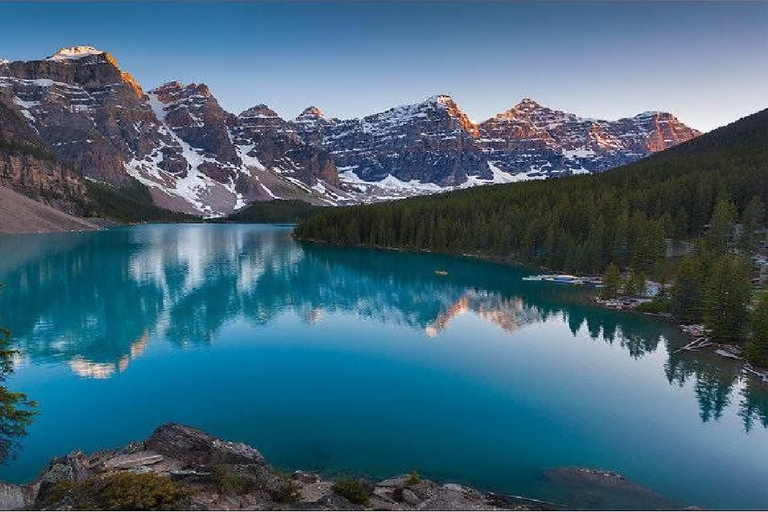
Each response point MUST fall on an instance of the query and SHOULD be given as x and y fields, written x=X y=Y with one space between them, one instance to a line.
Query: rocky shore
x=179 y=467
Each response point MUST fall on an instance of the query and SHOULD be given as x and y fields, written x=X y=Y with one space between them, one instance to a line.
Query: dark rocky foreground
x=180 y=467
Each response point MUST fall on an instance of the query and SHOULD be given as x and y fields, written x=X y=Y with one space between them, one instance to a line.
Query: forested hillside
x=580 y=223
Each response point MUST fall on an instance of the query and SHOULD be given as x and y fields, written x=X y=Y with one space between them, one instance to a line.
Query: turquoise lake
x=363 y=362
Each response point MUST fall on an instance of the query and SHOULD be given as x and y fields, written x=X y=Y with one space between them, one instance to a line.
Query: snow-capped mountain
x=176 y=139
x=533 y=141
x=195 y=157
x=433 y=146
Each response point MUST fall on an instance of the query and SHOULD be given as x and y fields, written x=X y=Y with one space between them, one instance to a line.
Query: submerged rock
x=587 y=488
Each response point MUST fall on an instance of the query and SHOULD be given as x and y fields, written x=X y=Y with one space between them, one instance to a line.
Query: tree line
x=709 y=193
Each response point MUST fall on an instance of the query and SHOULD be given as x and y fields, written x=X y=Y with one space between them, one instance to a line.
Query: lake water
x=366 y=363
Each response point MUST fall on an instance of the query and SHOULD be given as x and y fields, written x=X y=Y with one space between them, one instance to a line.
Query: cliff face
x=433 y=146
x=530 y=140
x=176 y=140
x=26 y=166
x=430 y=142
x=197 y=158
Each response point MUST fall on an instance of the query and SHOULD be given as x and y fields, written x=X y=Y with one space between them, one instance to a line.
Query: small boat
x=441 y=272
x=565 y=279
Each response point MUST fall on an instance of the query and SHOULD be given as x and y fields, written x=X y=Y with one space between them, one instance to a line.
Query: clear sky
x=706 y=62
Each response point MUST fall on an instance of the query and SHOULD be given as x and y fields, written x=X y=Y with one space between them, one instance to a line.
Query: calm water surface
x=365 y=362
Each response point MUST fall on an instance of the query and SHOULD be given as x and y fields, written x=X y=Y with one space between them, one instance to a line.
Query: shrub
x=656 y=306
x=227 y=482
x=121 y=491
x=413 y=479
x=353 y=490
x=286 y=493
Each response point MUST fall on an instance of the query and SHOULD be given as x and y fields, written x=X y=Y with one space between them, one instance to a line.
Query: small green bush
x=121 y=491
x=413 y=479
x=353 y=490
x=657 y=305
x=289 y=492
x=227 y=482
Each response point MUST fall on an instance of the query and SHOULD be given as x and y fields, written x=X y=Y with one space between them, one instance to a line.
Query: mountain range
x=77 y=116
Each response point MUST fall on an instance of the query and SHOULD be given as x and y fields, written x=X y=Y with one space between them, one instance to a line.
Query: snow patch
x=578 y=153
x=25 y=106
x=74 y=53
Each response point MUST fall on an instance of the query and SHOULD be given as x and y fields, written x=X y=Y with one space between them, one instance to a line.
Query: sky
x=705 y=62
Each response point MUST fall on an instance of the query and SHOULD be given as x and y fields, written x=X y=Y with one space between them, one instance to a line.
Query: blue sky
x=706 y=62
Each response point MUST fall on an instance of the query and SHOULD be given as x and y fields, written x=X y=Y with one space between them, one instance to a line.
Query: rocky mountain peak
x=172 y=91
x=75 y=53
x=446 y=103
x=441 y=99
x=527 y=104
x=259 y=111
x=311 y=112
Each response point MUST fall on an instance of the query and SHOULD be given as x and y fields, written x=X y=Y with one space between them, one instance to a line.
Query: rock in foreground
x=180 y=467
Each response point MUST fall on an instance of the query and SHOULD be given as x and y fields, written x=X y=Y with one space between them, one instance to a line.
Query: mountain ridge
x=197 y=158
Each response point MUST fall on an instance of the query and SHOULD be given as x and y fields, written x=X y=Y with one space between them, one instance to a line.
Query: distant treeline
x=278 y=210
x=131 y=203
x=580 y=223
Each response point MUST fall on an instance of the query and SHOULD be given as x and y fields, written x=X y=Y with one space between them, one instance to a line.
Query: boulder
x=133 y=460
x=12 y=497
x=197 y=449
x=304 y=477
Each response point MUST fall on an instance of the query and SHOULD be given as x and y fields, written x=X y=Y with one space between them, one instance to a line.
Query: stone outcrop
x=225 y=475
x=29 y=169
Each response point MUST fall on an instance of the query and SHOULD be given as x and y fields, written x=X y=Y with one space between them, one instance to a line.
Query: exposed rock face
x=275 y=144
x=197 y=449
x=177 y=139
x=430 y=142
x=26 y=166
x=197 y=158
x=90 y=113
x=434 y=142
x=530 y=140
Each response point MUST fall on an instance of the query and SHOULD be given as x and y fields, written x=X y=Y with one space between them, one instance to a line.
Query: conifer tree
x=757 y=347
x=720 y=226
x=726 y=298
x=611 y=282
x=687 y=290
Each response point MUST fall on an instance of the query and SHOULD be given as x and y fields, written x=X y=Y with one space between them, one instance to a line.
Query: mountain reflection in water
x=98 y=307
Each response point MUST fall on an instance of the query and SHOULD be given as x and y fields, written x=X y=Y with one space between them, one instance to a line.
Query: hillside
x=579 y=223
x=20 y=214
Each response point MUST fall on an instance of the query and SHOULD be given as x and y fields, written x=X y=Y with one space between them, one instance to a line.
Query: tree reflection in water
x=97 y=304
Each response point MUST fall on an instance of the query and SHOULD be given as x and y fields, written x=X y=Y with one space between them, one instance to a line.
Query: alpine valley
x=75 y=123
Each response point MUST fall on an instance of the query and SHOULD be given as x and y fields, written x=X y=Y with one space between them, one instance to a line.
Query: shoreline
x=731 y=352
x=202 y=472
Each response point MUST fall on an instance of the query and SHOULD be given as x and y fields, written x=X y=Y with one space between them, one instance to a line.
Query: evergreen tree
x=757 y=347
x=726 y=298
x=751 y=220
x=687 y=290
x=611 y=282
x=720 y=226
x=635 y=284
x=16 y=410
